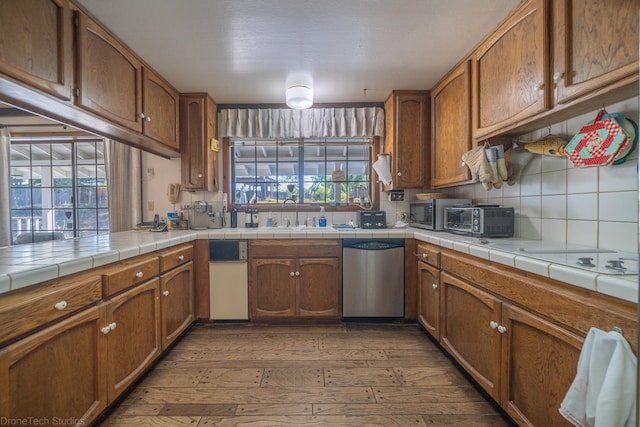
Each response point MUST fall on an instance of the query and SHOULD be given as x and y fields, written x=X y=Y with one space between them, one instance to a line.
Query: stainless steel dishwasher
x=373 y=278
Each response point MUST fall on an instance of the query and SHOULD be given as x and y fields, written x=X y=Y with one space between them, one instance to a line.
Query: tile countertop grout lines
x=25 y=265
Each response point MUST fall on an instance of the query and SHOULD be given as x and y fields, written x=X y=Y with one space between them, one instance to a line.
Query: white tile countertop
x=29 y=264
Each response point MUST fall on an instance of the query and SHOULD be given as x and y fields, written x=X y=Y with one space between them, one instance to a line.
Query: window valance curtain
x=309 y=123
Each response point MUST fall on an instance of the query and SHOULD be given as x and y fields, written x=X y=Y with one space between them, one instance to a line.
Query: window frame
x=76 y=208
x=227 y=183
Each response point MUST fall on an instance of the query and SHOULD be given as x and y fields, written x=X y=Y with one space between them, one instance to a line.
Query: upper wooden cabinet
x=407 y=116
x=595 y=44
x=451 y=127
x=109 y=76
x=510 y=77
x=40 y=53
x=199 y=162
x=161 y=109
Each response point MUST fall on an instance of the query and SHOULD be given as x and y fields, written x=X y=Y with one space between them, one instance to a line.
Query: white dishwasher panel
x=228 y=290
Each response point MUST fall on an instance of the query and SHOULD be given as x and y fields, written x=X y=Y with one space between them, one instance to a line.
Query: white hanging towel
x=382 y=167
x=603 y=393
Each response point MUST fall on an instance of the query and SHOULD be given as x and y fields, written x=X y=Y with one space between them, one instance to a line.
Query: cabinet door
x=160 y=108
x=272 y=287
x=176 y=288
x=511 y=71
x=451 y=128
x=318 y=287
x=134 y=341
x=57 y=372
x=429 y=298
x=595 y=44
x=406 y=139
x=109 y=76
x=40 y=51
x=198 y=126
x=466 y=334
x=539 y=363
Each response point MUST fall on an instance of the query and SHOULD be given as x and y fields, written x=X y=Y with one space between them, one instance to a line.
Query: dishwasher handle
x=373 y=245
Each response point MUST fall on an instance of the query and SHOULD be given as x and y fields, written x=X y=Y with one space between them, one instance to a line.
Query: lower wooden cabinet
x=295 y=279
x=57 y=373
x=305 y=287
x=524 y=362
x=133 y=338
x=429 y=298
x=176 y=303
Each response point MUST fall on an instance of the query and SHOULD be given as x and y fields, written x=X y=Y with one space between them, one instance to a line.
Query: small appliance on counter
x=203 y=216
x=429 y=213
x=480 y=221
x=372 y=219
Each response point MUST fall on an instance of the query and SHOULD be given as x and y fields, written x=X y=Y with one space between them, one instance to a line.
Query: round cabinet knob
x=399 y=173
x=165 y=293
x=61 y=305
x=292 y=274
x=425 y=256
x=199 y=175
x=105 y=330
x=537 y=87
x=181 y=258
x=139 y=274
x=112 y=326
x=493 y=324
x=297 y=273
x=434 y=286
x=502 y=329
x=141 y=115
x=148 y=119
x=557 y=76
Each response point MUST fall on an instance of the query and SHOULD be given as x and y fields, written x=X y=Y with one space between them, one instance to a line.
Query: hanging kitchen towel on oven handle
x=597 y=143
x=603 y=393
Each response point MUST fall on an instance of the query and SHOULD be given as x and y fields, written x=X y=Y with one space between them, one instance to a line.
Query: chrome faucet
x=296 y=204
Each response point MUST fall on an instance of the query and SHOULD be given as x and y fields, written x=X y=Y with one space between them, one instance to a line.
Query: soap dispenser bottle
x=322 y=221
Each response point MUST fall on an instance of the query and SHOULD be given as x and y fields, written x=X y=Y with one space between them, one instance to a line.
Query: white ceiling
x=247 y=51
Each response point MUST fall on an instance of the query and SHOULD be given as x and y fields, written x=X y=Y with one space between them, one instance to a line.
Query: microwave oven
x=480 y=221
x=429 y=214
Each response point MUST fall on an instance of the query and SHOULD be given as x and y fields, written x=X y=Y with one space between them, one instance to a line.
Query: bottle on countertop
x=234 y=218
x=322 y=221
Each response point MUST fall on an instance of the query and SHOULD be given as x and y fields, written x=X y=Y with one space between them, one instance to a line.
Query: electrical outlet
x=151 y=206
x=396 y=196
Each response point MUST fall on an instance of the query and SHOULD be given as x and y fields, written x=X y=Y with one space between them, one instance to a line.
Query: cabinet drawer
x=124 y=274
x=33 y=307
x=429 y=254
x=282 y=248
x=173 y=257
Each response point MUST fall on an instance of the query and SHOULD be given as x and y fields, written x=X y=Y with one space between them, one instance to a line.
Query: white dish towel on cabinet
x=603 y=393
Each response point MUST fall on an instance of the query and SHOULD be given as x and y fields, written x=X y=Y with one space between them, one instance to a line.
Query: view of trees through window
x=58 y=190
x=323 y=172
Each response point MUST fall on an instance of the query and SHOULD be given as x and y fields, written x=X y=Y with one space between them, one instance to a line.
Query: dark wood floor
x=338 y=375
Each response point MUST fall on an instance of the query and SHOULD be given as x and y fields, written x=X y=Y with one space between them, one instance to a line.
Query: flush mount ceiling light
x=299 y=97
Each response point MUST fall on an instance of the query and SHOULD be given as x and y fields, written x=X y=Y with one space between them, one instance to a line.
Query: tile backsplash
x=595 y=206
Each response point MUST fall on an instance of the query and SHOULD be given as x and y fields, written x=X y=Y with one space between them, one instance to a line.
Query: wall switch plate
x=151 y=206
x=396 y=196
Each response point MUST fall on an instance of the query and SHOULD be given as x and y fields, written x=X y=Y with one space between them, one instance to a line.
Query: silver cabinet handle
x=139 y=274
x=61 y=305
x=165 y=293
